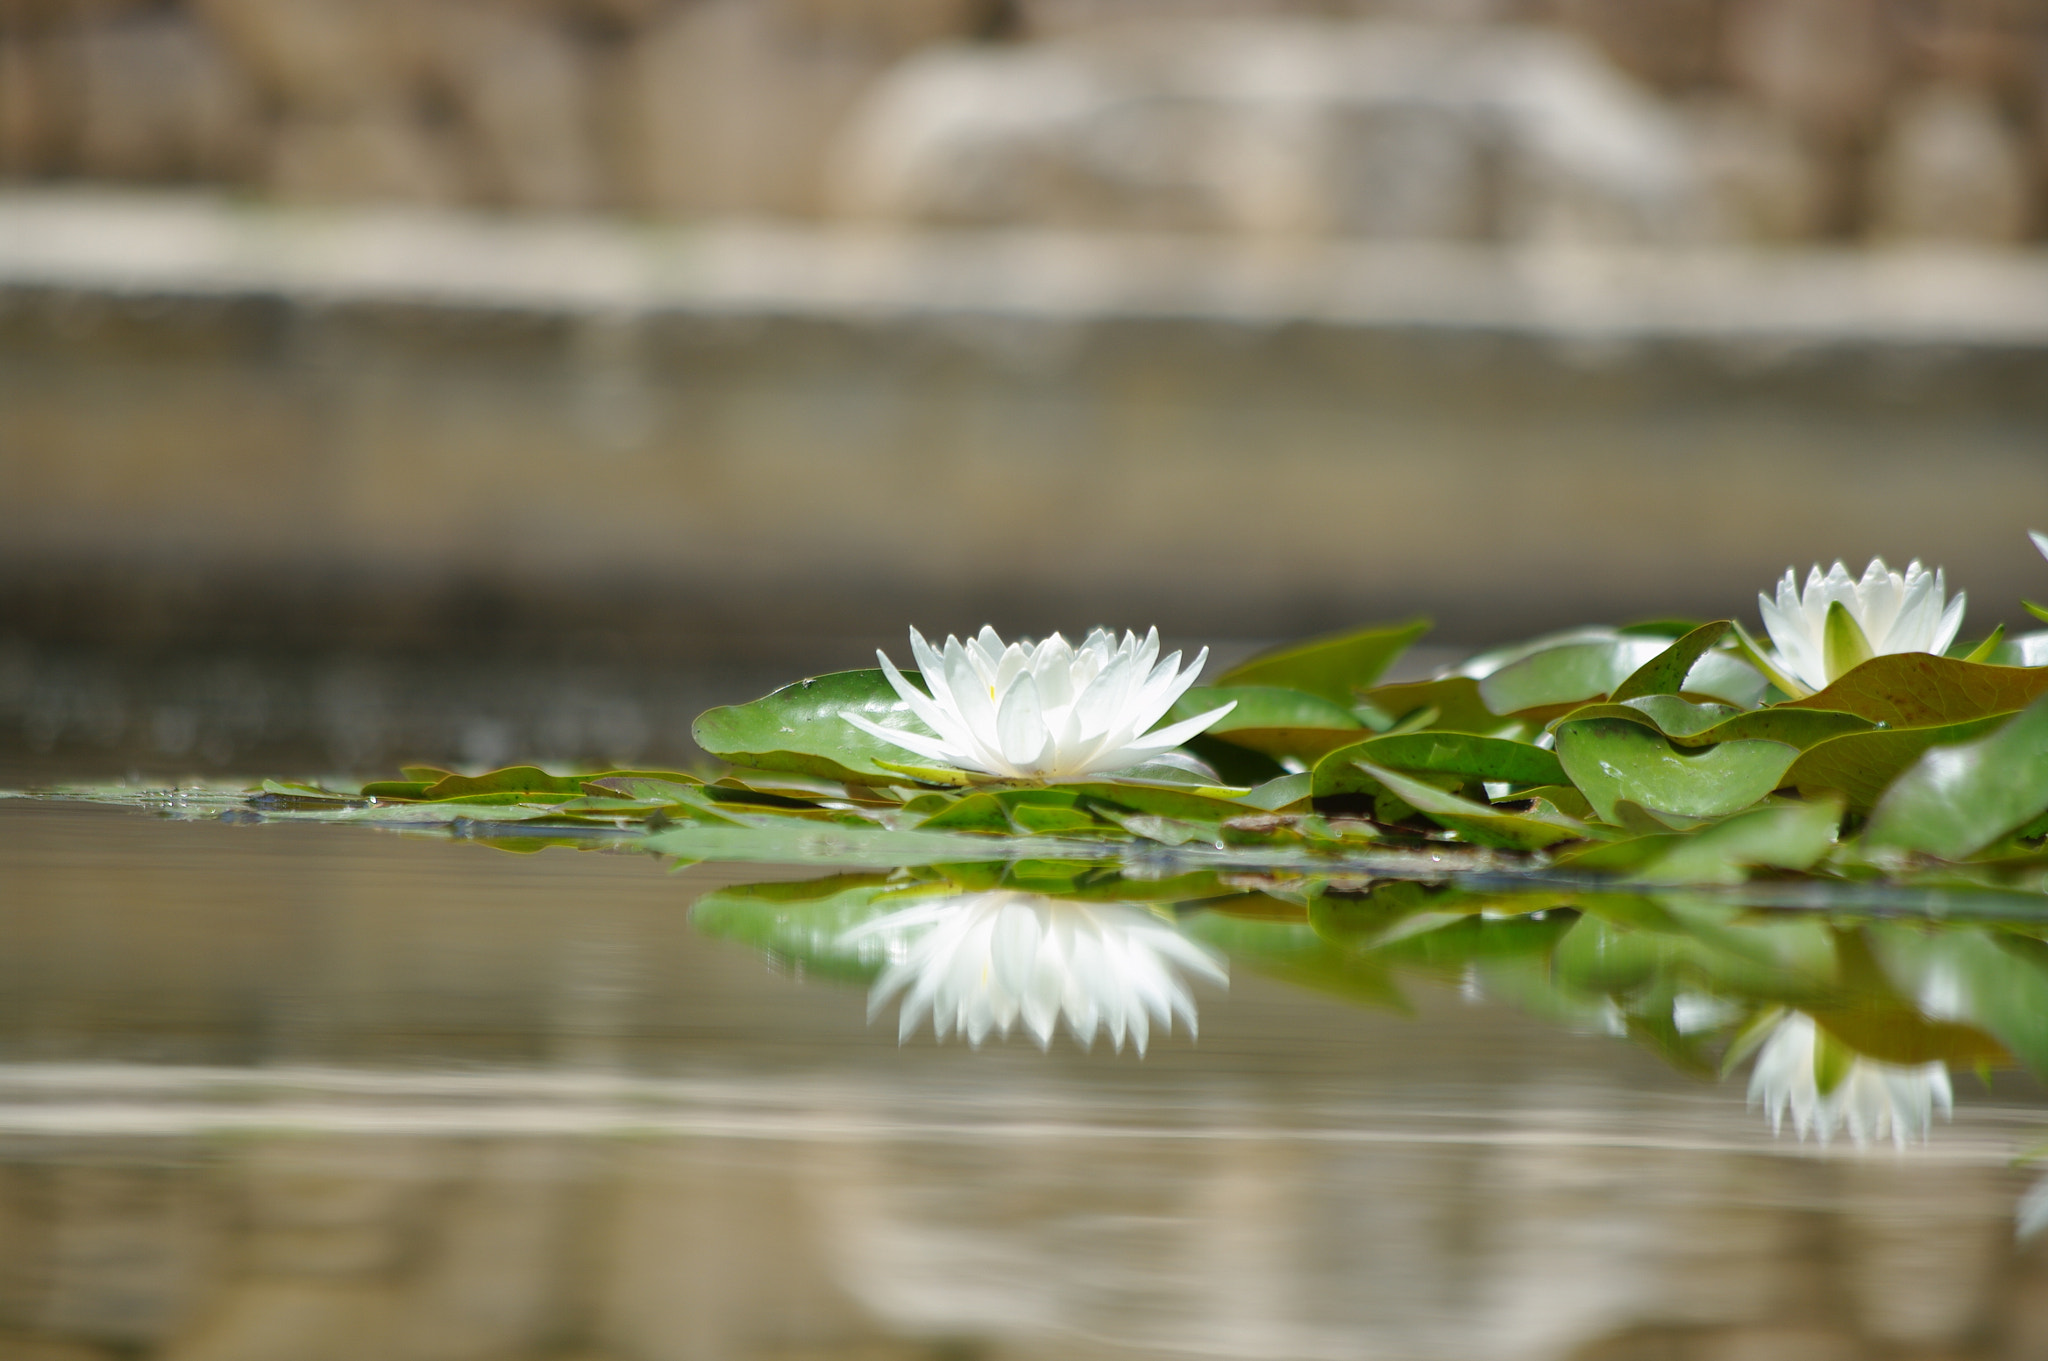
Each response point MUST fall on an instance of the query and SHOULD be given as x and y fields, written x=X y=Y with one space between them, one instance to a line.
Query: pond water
x=297 y=1092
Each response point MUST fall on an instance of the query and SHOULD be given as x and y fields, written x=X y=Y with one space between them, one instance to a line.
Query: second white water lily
x=1890 y=612
x=1051 y=711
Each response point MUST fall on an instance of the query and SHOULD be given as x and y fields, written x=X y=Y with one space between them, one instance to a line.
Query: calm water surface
x=300 y=1092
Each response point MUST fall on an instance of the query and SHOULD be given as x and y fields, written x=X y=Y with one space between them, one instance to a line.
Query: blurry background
x=478 y=379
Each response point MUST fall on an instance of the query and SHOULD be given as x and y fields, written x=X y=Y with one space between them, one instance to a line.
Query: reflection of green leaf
x=1335 y=667
x=1959 y=799
x=802 y=727
x=1917 y=690
x=1272 y=720
x=1611 y=760
x=1862 y=764
x=1665 y=673
x=1790 y=836
x=805 y=923
x=1291 y=951
x=783 y=840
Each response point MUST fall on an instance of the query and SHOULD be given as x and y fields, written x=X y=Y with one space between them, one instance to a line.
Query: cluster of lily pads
x=1862 y=743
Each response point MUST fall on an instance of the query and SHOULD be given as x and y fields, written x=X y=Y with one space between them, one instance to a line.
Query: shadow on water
x=297 y=1092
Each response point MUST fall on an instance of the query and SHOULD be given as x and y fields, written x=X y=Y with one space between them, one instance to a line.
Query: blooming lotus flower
x=1894 y=614
x=1870 y=1098
x=984 y=961
x=1049 y=712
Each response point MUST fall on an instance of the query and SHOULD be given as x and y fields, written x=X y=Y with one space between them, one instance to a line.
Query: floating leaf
x=1476 y=822
x=1453 y=701
x=1336 y=667
x=1862 y=765
x=802 y=728
x=1703 y=725
x=1612 y=759
x=1918 y=690
x=1271 y=719
x=1665 y=673
x=1548 y=683
x=511 y=780
x=1962 y=798
x=1453 y=753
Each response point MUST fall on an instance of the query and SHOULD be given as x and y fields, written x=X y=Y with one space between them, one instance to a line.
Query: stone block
x=726 y=110
x=493 y=1272
x=377 y=155
x=158 y=99
x=333 y=1207
x=1825 y=65
x=1767 y=183
x=131 y=1250
x=323 y=58
x=267 y=1319
x=1952 y=169
x=1374 y=130
x=522 y=87
x=1921 y=1249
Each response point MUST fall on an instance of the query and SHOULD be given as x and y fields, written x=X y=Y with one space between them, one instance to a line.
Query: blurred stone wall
x=1808 y=119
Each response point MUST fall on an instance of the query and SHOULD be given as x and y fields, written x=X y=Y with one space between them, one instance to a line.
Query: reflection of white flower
x=1896 y=613
x=985 y=961
x=1869 y=1098
x=1050 y=712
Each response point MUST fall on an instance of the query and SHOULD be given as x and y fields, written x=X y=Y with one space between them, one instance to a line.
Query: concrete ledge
x=749 y=419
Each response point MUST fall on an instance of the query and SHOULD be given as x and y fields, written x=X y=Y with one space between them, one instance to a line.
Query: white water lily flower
x=1049 y=712
x=982 y=962
x=1871 y=1099
x=1896 y=613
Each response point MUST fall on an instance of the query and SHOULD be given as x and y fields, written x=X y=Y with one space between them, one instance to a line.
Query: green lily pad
x=1862 y=765
x=1665 y=673
x=1454 y=700
x=1336 y=667
x=1271 y=719
x=1704 y=725
x=1958 y=799
x=1919 y=690
x=802 y=728
x=1465 y=754
x=1611 y=760
x=1477 y=822
x=1548 y=683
